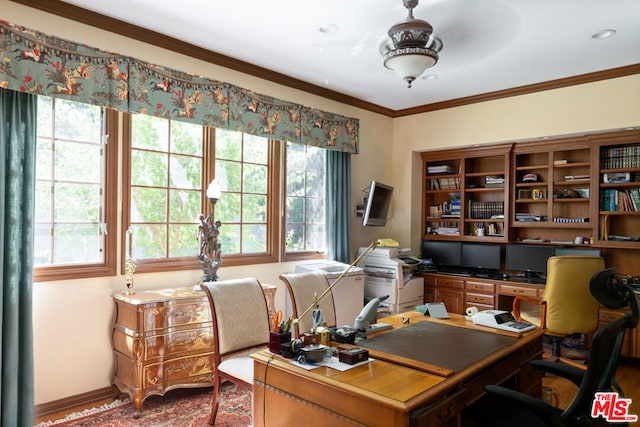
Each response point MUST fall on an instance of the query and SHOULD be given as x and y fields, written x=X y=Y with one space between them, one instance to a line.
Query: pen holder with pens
x=276 y=339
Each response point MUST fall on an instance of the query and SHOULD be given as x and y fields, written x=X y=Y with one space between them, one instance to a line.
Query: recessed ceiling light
x=328 y=29
x=429 y=77
x=604 y=34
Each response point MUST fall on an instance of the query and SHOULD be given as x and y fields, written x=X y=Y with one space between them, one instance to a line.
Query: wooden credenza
x=163 y=340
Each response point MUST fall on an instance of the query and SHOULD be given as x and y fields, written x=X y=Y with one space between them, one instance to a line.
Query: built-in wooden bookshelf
x=553 y=193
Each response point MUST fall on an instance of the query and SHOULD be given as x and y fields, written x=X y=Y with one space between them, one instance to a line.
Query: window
x=165 y=191
x=242 y=171
x=73 y=197
x=305 y=200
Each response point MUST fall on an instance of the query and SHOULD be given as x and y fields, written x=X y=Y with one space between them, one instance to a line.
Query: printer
x=389 y=271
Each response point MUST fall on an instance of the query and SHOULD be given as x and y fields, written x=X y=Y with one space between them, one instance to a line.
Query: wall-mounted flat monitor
x=378 y=204
x=560 y=251
x=528 y=259
x=442 y=253
x=484 y=257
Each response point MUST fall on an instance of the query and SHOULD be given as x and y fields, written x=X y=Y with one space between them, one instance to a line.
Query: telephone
x=501 y=319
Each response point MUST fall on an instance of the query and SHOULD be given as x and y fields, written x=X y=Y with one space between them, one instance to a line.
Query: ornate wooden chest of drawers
x=161 y=340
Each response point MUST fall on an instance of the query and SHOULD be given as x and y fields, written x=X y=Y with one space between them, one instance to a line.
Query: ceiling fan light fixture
x=410 y=56
x=410 y=62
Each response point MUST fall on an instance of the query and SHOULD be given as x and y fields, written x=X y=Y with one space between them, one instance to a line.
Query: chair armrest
x=545 y=412
x=517 y=302
x=571 y=373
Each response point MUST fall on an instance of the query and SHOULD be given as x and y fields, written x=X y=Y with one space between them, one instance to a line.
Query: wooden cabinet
x=465 y=193
x=163 y=340
x=554 y=194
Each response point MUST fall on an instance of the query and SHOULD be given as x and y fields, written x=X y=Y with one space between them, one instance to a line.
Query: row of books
x=620 y=157
x=627 y=200
x=559 y=219
x=445 y=210
x=445 y=183
x=482 y=210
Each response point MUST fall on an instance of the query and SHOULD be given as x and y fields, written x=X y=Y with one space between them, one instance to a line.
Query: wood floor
x=628 y=376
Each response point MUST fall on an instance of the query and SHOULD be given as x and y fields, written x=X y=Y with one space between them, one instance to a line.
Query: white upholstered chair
x=240 y=327
x=303 y=288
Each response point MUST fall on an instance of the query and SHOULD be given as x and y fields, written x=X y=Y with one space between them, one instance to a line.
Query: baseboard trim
x=71 y=402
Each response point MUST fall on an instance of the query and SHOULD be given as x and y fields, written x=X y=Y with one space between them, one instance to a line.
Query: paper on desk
x=330 y=362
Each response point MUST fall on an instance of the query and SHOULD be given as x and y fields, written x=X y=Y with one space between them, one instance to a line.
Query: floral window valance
x=34 y=62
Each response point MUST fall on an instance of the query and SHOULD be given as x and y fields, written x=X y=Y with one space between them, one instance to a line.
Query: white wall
x=72 y=319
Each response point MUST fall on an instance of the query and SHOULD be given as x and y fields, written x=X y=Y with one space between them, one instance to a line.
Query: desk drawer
x=473 y=298
x=487 y=288
x=444 y=413
x=450 y=283
x=518 y=291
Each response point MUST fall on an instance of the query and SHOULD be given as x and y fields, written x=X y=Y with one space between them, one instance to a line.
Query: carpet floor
x=177 y=408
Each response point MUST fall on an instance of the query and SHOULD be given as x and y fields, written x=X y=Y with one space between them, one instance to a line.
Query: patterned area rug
x=177 y=408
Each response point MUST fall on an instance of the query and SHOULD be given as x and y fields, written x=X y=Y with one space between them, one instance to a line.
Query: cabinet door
x=452 y=299
x=606 y=316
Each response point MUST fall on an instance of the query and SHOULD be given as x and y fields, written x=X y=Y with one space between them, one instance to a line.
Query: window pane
x=254 y=238
x=315 y=237
x=256 y=149
x=44 y=152
x=254 y=208
x=228 y=145
x=229 y=238
x=295 y=209
x=186 y=138
x=76 y=243
x=183 y=240
x=184 y=206
x=78 y=122
x=186 y=172
x=229 y=176
x=295 y=237
x=228 y=208
x=149 y=168
x=77 y=162
x=76 y=202
x=147 y=240
x=255 y=179
x=148 y=204
x=149 y=132
x=43 y=202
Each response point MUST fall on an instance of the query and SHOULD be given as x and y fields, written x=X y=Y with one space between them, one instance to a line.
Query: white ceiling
x=489 y=45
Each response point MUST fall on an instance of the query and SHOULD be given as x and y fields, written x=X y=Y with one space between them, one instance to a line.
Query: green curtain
x=338 y=205
x=17 y=187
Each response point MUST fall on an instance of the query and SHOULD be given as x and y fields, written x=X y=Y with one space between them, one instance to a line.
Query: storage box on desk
x=352 y=356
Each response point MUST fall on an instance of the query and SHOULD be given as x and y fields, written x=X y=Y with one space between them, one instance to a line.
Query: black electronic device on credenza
x=528 y=260
x=378 y=204
x=482 y=258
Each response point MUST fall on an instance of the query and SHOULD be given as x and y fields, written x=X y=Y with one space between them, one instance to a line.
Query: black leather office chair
x=612 y=291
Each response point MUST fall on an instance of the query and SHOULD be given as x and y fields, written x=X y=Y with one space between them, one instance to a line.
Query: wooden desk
x=389 y=391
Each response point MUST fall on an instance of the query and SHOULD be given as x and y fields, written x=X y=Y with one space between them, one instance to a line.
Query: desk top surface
x=396 y=380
